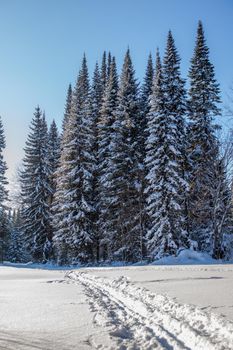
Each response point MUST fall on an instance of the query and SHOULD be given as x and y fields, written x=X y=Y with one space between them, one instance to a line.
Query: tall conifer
x=74 y=234
x=105 y=155
x=202 y=142
x=36 y=190
x=67 y=107
x=166 y=185
x=125 y=221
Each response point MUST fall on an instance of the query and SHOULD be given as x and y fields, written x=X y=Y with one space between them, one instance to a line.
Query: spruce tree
x=166 y=185
x=53 y=152
x=62 y=236
x=146 y=91
x=146 y=88
x=96 y=102
x=67 y=107
x=105 y=155
x=202 y=142
x=36 y=191
x=74 y=233
x=104 y=72
x=176 y=108
x=155 y=122
x=58 y=199
x=222 y=208
x=125 y=209
x=16 y=247
x=53 y=163
x=109 y=65
x=5 y=230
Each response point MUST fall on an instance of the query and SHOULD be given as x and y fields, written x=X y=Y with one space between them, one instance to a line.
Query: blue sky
x=42 y=43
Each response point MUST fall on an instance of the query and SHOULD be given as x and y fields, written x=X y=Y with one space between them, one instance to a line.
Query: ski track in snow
x=141 y=320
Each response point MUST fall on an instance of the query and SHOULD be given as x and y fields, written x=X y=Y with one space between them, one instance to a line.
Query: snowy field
x=143 y=307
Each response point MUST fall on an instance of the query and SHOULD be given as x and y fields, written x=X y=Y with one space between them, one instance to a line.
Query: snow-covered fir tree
x=146 y=91
x=60 y=229
x=96 y=91
x=5 y=230
x=74 y=233
x=36 y=191
x=109 y=65
x=103 y=71
x=202 y=142
x=222 y=208
x=105 y=139
x=123 y=183
x=53 y=147
x=16 y=251
x=53 y=153
x=146 y=88
x=58 y=198
x=164 y=146
x=155 y=124
x=96 y=102
x=67 y=107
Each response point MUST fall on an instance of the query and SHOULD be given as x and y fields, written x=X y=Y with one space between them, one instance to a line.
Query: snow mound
x=187 y=257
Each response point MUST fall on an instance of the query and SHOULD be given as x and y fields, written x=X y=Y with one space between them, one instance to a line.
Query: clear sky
x=42 y=43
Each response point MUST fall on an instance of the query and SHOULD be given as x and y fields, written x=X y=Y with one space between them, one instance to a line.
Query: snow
x=125 y=307
x=186 y=257
x=40 y=310
x=146 y=320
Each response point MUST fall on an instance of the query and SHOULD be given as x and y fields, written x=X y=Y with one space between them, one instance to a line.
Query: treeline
x=136 y=172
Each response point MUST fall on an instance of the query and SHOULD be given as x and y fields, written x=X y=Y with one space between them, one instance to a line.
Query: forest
x=137 y=172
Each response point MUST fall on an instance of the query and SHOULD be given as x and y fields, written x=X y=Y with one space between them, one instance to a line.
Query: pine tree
x=202 y=141
x=74 y=234
x=125 y=218
x=105 y=139
x=164 y=147
x=4 y=227
x=36 y=190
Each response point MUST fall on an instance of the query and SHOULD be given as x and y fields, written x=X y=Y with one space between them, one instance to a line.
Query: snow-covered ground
x=40 y=310
x=208 y=286
x=117 y=308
